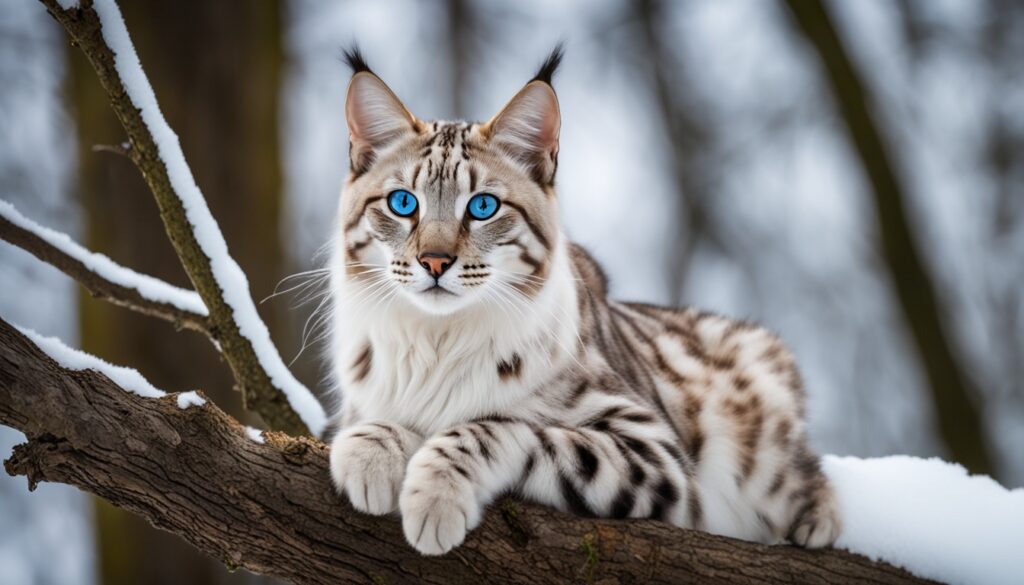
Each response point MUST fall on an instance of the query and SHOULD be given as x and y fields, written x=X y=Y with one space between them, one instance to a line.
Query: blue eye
x=402 y=203
x=483 y=206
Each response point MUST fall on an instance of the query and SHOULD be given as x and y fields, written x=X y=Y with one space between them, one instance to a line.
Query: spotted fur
x=514 y=372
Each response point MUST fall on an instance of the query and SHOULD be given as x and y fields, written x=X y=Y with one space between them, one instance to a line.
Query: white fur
x=428 y=377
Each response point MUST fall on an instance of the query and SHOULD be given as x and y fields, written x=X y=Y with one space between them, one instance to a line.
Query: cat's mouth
x=438 y=300
x=438 y=290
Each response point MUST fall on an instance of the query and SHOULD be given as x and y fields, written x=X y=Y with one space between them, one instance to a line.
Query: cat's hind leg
x=816 y=521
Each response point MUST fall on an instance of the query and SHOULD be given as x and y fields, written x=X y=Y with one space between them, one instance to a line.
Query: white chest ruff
x=429 y=373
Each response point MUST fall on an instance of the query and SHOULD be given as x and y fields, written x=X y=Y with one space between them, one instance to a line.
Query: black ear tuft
x=547 y=70
x=354 y=57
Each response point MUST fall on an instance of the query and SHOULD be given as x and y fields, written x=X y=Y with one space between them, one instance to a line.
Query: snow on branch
x=266 y=504
x=267 y=386
x=101 y=276
x=72 y=359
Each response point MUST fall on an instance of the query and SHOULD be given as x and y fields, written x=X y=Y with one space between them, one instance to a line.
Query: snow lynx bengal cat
x=479 y=354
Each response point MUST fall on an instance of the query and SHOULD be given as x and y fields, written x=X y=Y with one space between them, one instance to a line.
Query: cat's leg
x=368 y=463
x=816 y=522
x=622 y=465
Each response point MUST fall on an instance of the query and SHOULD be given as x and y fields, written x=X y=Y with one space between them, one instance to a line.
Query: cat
x=479 y=354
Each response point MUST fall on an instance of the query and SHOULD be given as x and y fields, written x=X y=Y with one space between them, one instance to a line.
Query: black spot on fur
x=638 y=417
x=623 y=503
x=511 y=368
x=547 y=70
x=497 y=418
x=641 y=448
x=637 y=475
x=485 y=451
x=528 y=466
x=587 y=460
x=657 y=511
x=354 y=58
x=667 y=492
x=573 y=499
x=673 y=451
x=546 y=444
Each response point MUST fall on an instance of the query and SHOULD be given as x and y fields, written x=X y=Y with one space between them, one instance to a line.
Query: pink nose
x=436 y=263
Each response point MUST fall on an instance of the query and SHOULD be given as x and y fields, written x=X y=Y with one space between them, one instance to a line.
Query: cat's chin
x=439 y=301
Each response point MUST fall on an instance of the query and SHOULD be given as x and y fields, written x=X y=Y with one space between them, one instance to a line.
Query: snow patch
x=68 y=4
x=150 y=288
x=187 y=399
x=73 y=359
x=255 y=435
x=229 y=276
x=930 y=517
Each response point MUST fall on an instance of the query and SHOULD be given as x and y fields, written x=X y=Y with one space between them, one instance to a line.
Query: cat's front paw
x=368 y=463
x=438 y=504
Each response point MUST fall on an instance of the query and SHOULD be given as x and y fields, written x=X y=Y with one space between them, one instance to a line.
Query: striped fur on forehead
x=443 y=165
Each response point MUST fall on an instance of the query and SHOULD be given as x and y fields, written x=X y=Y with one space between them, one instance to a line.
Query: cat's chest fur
x=429 y=373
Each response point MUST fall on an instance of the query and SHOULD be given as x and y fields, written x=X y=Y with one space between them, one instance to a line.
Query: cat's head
x=448 y=214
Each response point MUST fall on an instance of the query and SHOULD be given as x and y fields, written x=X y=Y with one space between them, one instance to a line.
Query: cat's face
x=450 y=214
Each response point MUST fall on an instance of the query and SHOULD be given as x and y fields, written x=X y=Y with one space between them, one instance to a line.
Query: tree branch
x=260 y=393
x=960 y=424
x=96 y=284
x=270 y=508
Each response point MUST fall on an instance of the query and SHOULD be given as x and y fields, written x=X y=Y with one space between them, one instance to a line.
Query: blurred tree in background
x=216 y=68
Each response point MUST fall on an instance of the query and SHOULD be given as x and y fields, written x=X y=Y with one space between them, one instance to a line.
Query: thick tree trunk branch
x=98 y=286
x=270 y=508
x=960 y=423
x=258 y=391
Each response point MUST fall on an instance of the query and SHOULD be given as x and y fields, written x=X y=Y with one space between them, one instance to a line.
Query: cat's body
x=481 y=356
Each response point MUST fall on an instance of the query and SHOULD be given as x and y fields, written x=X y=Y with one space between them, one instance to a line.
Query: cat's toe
x=373 y=491
x=438 y=505
x=818 y=528
x=434 y=525
x=367 y=472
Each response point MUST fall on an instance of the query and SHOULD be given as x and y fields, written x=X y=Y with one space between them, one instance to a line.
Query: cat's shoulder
x=587 y=270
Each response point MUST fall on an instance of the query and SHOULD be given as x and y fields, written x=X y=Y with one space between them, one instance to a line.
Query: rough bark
x=270 y=508
x=959 y=421
x=258 y=391
x=98 y=286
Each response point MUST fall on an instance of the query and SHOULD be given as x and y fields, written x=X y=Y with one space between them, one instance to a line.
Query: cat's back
x=681 y=345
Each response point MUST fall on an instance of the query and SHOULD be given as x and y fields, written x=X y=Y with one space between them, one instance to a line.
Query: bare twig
x=121 y=149
x=270 y=507
x=959 y=422
x=259 y=391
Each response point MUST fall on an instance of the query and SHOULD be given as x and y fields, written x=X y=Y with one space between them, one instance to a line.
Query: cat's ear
x=376 y=117
x=527 y=127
